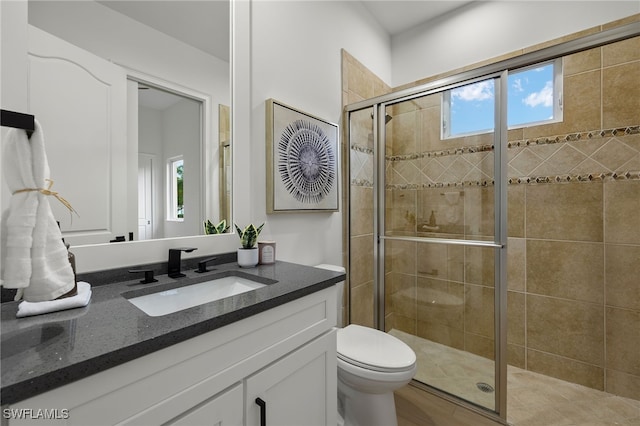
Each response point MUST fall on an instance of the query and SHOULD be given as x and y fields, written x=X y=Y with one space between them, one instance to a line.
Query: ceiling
x=205 y=24
x=396 y=16
x=201 y=24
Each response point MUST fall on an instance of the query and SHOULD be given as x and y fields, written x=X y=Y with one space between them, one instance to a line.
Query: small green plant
x=249 y=236
x=211 y=229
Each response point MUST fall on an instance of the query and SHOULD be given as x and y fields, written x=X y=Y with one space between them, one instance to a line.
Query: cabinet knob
x=263 y=411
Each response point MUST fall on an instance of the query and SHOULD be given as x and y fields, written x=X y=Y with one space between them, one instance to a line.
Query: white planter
x=247 y=258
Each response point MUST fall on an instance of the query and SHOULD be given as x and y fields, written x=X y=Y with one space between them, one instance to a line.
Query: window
x=534 y=97
x=175 y=189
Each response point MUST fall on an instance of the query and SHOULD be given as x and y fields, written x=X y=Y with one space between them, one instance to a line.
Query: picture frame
x=302 y=161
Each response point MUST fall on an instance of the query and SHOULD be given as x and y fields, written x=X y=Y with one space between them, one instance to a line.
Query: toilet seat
x=374 y=350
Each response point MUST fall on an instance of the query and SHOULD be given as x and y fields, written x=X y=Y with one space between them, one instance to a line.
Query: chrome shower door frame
x=499 y=243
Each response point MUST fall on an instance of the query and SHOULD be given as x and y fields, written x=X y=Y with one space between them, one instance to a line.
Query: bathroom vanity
x=266 y=352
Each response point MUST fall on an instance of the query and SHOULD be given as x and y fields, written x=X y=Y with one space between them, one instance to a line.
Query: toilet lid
x=373 y=349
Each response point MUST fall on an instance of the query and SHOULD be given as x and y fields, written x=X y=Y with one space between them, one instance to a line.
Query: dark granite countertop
x=43 y=352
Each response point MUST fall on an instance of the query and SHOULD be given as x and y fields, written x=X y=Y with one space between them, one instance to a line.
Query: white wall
x=484 y=30
x=296 y=59
x=149 y=135
x=181 y=136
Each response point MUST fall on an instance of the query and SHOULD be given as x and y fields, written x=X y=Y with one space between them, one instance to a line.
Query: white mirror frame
x=98 y=257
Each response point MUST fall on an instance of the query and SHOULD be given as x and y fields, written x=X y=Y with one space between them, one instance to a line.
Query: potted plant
x=211 y=229
x=248 y=253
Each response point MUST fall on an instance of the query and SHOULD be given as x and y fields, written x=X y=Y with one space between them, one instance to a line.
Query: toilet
x=371 y=365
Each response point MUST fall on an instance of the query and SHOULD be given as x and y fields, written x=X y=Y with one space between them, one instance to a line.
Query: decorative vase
x=248 y=258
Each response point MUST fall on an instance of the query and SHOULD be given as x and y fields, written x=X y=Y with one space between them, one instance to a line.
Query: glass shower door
x=441 y=206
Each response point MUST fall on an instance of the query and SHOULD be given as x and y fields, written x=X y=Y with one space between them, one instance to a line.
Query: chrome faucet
x=174 y=260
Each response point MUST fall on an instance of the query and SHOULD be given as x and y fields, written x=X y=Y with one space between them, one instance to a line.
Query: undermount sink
x=173 y=298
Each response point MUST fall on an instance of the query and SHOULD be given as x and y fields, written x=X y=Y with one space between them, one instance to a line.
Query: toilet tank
x=340 y=292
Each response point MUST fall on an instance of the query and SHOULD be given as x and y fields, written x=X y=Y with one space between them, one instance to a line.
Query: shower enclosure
x=429 y=237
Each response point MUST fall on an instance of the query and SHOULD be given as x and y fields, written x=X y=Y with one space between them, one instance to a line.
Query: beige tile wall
x=574 y=230
x=358 y=83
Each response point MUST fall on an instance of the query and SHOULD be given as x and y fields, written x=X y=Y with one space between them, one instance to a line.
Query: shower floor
x=532 y=400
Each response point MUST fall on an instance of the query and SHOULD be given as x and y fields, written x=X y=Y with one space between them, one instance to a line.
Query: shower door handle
x=263 y=411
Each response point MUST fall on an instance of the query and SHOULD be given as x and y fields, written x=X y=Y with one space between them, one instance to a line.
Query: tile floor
x=533 y=399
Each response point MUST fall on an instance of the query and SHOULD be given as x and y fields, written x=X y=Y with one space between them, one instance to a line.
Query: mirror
x=173 y=59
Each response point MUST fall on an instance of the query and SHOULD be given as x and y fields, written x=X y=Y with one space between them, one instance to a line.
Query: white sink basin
x=177 y=299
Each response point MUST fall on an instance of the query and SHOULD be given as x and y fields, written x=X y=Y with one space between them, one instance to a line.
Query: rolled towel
x=26 y=309
x=35 y=260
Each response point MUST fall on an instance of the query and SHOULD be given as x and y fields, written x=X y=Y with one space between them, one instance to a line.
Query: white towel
x=81 y=299
x=34 y=258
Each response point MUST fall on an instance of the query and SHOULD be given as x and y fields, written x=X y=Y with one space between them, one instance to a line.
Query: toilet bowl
x=371 y=365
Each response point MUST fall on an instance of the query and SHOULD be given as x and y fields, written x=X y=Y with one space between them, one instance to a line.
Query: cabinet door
x=221 y=410
x=299 y=389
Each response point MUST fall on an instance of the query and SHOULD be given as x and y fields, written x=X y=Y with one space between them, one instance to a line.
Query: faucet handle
x=202 y=265
x=148 y=275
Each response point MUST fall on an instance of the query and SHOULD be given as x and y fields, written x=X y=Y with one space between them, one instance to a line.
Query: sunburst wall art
x=302 y=161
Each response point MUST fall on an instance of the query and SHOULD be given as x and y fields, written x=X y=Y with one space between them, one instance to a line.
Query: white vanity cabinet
x=286 y=356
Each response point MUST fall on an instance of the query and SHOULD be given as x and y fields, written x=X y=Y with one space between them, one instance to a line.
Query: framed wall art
x=302 y=161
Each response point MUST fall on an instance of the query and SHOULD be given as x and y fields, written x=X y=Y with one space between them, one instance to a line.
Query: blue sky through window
x=530 y=99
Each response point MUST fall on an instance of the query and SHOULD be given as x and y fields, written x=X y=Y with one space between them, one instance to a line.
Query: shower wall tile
x=432 y=261
x=429 y=119
x=626 y=385
x=440 y=302
x=479 y=211
x=400 y=291
x=479 y=266
x=621 y=52
x=479 y=310
x=589 y=60
x=452 y=337
x=408 y=325
x=622 y=272
x=621 y=95
x=516 y=264
x=480 y=345
x=362 y=304
x=361 y=265
x=566 y=369
x=358 y=79
x=623 y=327
x=568 y=211
x=516 y=318
x=403 y=256
x=515 y=356
x=515 y=210
x=400 y=210
x=621 y=207
x=571 y=270
x=567 y=328
x=404 y=132
x=613 y=154
x=361 y=217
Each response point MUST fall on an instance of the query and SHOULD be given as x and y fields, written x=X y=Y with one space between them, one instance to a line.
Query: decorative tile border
x=599 y=177
x=443 y=153
x=573 y=137
x=577 y=157
x=360 y=148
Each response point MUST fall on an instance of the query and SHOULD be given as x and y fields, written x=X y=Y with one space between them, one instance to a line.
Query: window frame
x=173 y=214
x=558 y=88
